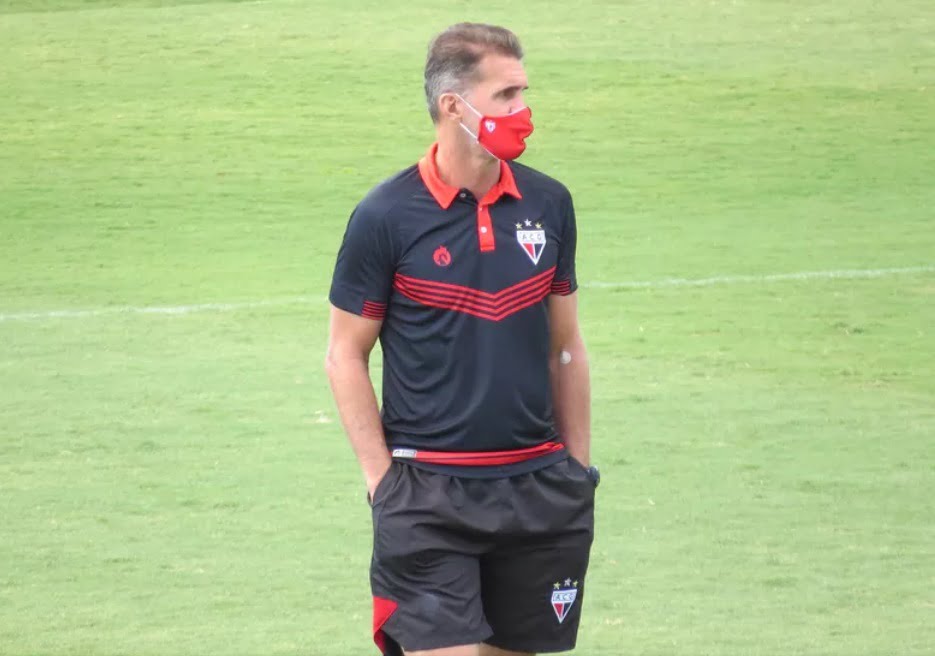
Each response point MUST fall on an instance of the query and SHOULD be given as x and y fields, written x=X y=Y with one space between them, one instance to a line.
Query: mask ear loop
x=468 y=130
x=471 y=107
x=475 y=137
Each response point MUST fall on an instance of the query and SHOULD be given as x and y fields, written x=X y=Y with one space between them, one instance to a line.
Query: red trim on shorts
x=382 y=610
x=478 y=458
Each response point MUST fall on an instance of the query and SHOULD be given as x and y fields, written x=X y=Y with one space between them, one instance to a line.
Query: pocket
x=575 y=464
x=385 y=484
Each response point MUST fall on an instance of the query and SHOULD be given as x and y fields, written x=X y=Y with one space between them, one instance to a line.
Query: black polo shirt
x=462 y=289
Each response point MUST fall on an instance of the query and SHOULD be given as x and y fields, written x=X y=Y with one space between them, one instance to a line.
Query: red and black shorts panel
x=466 y=560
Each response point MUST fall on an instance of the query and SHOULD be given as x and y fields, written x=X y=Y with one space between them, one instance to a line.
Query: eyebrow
x=515 y=87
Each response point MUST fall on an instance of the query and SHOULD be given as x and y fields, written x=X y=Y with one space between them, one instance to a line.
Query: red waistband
x=478 y=458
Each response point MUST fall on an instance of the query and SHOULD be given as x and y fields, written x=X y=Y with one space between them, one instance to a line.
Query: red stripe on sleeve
x=373 y=310
x=561 y=287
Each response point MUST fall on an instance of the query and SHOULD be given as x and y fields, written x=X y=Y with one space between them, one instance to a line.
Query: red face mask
x=504 y=137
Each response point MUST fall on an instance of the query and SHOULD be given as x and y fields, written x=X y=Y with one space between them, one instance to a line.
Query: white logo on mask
x=490 y=125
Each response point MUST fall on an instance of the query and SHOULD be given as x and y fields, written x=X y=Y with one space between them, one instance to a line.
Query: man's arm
x=570 y=377
x=350 y=340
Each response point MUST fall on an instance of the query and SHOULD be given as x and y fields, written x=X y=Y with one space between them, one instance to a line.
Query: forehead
x=501 y=71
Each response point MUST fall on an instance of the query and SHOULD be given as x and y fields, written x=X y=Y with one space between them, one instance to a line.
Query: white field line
x=843 y=274
x=165 y=309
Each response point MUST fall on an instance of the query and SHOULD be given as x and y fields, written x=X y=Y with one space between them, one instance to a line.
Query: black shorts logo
x=563 y=598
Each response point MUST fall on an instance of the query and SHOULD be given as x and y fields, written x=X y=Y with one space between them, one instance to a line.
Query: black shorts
x=467 y=560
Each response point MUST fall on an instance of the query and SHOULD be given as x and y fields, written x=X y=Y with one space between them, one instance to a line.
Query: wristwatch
x=595 y=475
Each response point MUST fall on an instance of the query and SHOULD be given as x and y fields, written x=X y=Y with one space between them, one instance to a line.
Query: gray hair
x=451 y=65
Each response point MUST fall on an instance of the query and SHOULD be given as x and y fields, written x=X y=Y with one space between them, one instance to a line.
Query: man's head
x=477 y=63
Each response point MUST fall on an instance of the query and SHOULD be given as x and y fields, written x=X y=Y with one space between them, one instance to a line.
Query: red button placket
x=485 y=228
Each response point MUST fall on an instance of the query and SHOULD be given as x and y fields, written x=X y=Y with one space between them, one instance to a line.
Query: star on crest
x=519 y=226
x=538 y=225
x=567 y=583
x=528 y=223
x=557 y=586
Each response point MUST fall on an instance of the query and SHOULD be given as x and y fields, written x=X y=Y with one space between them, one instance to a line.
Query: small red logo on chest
x=441 y=256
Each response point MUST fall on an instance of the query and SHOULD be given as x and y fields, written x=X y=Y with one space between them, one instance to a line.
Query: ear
x=448 y=107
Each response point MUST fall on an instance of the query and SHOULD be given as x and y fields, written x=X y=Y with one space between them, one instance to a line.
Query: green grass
x=178 y=484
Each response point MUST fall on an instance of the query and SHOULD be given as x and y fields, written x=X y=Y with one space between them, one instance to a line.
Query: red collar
x=445 y=194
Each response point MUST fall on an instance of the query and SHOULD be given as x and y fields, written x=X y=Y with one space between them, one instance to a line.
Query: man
x=477 y=468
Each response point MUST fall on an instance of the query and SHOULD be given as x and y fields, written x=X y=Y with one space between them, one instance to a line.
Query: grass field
x=176 y=482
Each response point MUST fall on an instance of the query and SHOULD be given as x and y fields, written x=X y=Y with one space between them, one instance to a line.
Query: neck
x=466 y=166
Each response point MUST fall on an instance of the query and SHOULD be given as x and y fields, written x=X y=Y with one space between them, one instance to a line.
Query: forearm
x=360 y=415
x=571 y=399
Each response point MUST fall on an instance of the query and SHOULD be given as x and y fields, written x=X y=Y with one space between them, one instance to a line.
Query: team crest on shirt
x=531 y=238
x=564 y=594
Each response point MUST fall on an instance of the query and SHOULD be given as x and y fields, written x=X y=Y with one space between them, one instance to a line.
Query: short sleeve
x=564 y=282
x=363 y=273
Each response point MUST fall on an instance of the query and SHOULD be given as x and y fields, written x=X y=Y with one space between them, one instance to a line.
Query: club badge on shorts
x=531 y=240
x=564 y=594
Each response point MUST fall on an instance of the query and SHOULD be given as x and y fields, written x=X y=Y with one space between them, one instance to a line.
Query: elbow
x=330 y=364
x=572 y=347
x=337 y=362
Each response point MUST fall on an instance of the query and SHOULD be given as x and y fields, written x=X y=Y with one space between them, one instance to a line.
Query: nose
x=519 y=102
